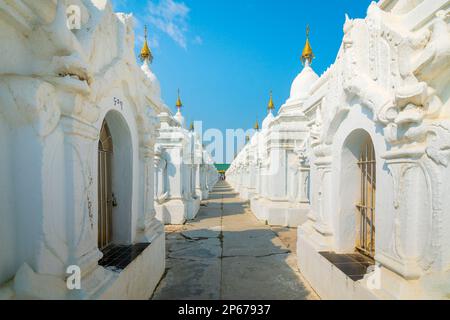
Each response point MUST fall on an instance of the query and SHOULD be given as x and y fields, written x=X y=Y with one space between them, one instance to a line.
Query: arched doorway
x=366 y=206
x=115 y=182
x=357 y=194
x=105 y=195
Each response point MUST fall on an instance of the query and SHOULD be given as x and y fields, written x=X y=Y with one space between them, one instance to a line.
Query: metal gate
x=105 y=195
x=366 y=207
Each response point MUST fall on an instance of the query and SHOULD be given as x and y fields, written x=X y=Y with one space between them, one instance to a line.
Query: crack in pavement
x=260 y=256
x=191 y=260
x=194 y=239
x=163 y=277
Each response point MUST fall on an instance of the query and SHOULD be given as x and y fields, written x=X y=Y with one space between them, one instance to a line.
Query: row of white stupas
x=92 y=162
x=184 y=171
x=359 y=158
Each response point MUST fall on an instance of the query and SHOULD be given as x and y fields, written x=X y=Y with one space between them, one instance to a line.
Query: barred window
x=366 y=205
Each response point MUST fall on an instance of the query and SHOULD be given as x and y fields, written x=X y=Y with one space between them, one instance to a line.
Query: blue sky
x=226 y=55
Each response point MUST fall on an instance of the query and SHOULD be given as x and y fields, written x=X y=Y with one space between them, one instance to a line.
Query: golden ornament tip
x=179 y=104
x=307 y=54
x=271 y=105
x=146 y=54
x=256 y=126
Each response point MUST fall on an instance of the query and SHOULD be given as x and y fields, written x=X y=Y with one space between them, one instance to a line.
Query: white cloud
x=170 y=17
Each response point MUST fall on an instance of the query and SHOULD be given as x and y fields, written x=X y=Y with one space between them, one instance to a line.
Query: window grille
x=366 y=206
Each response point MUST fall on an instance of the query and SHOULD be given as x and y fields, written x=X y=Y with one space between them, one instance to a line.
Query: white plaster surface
x=389 y=84
x=57 y=87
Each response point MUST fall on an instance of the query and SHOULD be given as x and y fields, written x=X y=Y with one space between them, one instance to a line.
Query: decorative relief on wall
x=37 y=107
x=415 y=225
x=161 y=185
x=392 y=87
x=83 y=210
x=54 y=238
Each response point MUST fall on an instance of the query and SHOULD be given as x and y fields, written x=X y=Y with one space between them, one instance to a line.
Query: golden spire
x=146 y=54
x=179 y=104
x=271 y=105
x=307 y=54
x=191 y=128
x=256 y=126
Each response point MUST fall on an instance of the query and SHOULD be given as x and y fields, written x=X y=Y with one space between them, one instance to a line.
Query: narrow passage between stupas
x=226 y=253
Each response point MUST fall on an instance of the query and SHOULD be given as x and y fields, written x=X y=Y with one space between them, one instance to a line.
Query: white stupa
x=303 y=82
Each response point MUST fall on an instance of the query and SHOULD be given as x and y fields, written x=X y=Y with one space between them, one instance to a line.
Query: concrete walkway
x=226 y=253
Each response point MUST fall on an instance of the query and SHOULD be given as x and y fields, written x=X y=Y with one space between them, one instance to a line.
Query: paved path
x=226 y=253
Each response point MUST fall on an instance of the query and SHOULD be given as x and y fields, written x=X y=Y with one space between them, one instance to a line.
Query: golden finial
x=179 y=103
x=271 y=105
x=191 y=128
x=307 y=54
x=256 y=126
x=146 y=54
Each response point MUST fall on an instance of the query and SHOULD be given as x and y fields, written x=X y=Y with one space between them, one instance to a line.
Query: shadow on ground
x=226 y=253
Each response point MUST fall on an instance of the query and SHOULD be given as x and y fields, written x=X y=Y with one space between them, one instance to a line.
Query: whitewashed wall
x=56 y=87
x=389 y=82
